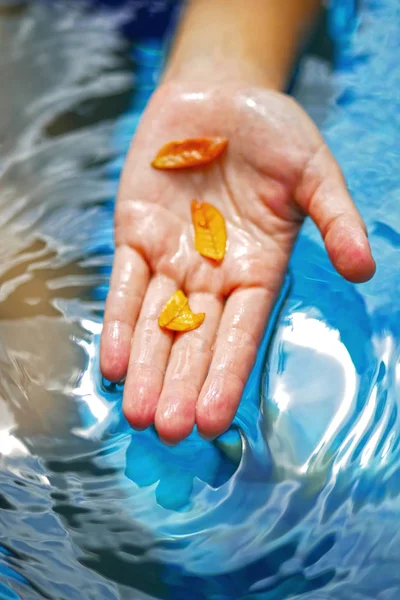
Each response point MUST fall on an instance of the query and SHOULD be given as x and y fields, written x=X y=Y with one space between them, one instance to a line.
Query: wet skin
x=276 y=171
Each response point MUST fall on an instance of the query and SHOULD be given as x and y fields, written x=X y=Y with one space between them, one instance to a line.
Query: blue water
x=301 y=498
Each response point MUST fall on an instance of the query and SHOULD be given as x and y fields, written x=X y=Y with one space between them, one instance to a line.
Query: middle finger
x=187 y=369
x=151 y=346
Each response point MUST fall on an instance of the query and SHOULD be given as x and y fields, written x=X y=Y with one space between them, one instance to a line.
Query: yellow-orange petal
x=188 y=153
x=210 y=230
x=177 y=316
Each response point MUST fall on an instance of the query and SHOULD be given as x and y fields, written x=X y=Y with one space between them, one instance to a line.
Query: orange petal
x=209 y=229
x=177 y=316
x=189 y=153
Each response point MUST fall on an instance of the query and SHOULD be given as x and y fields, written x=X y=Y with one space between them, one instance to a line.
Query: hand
x=277 y=169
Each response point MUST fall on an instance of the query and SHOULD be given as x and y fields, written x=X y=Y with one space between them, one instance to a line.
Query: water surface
x=304 y=501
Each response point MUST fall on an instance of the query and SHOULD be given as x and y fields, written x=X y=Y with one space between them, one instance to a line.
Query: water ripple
x=301 y=497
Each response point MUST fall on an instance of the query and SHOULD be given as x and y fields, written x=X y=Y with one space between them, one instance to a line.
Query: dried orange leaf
x=177 y=316
x=189 y=153
x=209 y=229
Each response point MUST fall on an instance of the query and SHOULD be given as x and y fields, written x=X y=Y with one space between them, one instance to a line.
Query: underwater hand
x=276 y=170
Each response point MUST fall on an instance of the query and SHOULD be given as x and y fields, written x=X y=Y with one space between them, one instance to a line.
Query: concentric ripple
x=301 y=498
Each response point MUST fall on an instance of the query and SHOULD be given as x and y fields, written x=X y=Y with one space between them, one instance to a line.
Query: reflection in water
x=312 y=352
x=300 y=498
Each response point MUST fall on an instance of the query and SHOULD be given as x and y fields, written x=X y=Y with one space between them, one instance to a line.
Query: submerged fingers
x=198 y=378
x=208 y=368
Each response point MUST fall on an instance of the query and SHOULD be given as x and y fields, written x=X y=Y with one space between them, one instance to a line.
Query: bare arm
x=256 y=40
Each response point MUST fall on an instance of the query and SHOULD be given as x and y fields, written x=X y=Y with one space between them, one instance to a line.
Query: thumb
x=323 y=195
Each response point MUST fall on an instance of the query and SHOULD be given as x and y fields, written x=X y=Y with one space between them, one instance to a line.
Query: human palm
x=275 y=171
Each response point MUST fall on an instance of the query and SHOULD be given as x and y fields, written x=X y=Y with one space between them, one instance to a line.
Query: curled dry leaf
x=189 y=153
x=177 y=316
x=210 y=230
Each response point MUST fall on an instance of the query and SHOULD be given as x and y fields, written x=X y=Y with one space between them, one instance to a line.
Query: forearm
x=255 y=40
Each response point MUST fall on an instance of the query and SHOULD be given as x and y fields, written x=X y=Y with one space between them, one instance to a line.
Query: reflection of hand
x=276 y=170
x=174 y=470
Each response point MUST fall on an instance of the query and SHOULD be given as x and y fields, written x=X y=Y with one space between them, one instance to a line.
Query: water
x=304 y=502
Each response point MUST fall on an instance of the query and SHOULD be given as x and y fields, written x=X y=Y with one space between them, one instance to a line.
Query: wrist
x=217 y=70
x=253 y=41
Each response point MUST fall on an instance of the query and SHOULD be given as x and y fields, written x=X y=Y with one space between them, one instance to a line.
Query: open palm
x=276 y=170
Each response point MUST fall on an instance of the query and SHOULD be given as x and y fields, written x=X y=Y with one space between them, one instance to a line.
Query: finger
x=149 y=356
x=238 y=338
x=129 y=280
x=187 y=369
x=324 y=196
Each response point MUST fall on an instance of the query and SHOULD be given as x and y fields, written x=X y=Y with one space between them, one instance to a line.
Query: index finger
x=242 y=326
